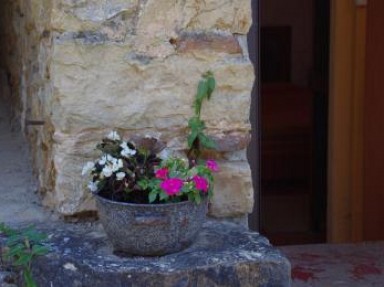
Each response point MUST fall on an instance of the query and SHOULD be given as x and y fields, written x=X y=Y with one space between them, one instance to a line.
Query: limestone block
x=232 y=141
x=158 y=23
x=231 y=15
x=70 y=195
x=233 y=193
x=91 y=15
x=101 y=86
x=161 y=21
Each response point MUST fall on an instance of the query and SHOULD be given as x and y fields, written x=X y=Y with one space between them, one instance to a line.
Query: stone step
x=225 y=254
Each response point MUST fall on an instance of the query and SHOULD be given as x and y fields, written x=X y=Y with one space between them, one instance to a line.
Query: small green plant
x=21 y=247
x=197 y=139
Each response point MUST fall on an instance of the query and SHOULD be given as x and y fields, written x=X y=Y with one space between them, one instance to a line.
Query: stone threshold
x=224 y=254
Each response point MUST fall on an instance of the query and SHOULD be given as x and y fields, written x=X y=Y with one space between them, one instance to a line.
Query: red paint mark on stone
x=362 y=270
x=299 y=273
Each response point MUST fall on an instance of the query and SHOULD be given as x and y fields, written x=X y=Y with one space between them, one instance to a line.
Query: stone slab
x=225 y=254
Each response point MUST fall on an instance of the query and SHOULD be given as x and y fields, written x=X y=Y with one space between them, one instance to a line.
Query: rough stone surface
x=234 y=192
x=85 y=67
x=7 y=278
x=190 y=42
x=224 y=255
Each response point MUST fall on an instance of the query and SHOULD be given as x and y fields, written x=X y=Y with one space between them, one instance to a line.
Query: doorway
x=293 y=73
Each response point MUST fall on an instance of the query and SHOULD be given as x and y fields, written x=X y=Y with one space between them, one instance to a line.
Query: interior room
x=293 y=103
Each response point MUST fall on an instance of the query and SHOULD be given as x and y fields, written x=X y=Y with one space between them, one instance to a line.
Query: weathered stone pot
x=151 y=229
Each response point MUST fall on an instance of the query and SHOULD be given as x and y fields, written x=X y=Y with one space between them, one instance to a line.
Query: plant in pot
x=150 y=205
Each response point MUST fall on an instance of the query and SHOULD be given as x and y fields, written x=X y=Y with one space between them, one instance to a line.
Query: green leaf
x=14 y=239
x=196 y=124
x=191 y=197
x=16 y=250
x=39 y=250
x=29 y=282
x=191 y=138
x=33 y=235
x=198 y=198
x=7 y=230
x=152 y=196
x=24 y=259
x=163 y=196
x=207 y=142
x=202 y=90
x=192 y=172
x=211 y=82
x=143 y=184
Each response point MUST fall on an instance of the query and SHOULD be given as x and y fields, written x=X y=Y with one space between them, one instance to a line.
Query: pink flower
x=162 y=173
x=212 y=165
x=200 y=183
x=172 y=186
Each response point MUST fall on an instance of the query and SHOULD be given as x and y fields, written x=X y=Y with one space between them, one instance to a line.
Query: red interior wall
x=373 y=143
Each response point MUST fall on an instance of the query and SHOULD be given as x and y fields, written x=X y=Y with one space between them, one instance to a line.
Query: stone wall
x=10 y=60
x=25 y=53
x=133 y=65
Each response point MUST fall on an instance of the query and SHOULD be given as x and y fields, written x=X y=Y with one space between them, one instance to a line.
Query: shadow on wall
x=7 y=112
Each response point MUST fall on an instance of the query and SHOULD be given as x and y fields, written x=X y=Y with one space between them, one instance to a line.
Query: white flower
x=93 y=186
x=103 y=160
x=113 y=135
x=117 y=164
x=124 y=145
x=107 y=171
x=127 y=152
x=106 y=158
x=88 y=167
x=120 y=175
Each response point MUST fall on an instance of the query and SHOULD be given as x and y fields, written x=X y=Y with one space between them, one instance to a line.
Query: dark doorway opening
x=293 y=75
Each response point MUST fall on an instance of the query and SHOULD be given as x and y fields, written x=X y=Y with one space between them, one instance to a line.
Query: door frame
x=253 y=151
x=345 y=123
x=345 y=132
